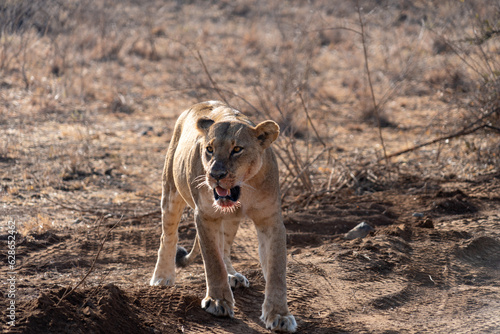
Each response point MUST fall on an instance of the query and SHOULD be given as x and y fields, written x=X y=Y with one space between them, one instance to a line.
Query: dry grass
x=37 y=225
x=90 y=91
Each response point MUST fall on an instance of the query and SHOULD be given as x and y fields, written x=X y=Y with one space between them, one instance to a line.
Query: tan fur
x=188 y=178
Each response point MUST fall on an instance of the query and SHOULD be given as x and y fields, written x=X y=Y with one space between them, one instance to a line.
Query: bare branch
x=214 y=84
x=310 y=120
x=306 y=167
x=92 y=266
x=376 y=107
x=471 y=128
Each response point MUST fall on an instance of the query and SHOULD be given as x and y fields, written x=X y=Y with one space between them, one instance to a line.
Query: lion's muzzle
x=232 y=194
x=227 y=199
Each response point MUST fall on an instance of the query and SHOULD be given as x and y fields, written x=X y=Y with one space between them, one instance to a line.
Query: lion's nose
x=218 y=171
x=218 y=174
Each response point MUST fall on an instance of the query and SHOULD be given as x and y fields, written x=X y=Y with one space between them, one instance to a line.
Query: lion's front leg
x=219 y=300
x=272 y=252
x=236 y=280
x=172 y=206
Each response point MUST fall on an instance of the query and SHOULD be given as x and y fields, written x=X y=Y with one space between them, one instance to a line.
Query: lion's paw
x=159 y=279
x=285 y=323
x=220 y=308
x=238 y=280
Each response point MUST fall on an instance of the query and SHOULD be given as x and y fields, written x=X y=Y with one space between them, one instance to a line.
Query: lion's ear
x=267 y=132
x=204 y=123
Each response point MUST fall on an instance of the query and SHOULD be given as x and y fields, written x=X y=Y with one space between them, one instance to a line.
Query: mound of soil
x=92 y=310
x=453 y=203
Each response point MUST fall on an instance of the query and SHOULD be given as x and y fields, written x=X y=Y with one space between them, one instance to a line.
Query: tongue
x=222 y=192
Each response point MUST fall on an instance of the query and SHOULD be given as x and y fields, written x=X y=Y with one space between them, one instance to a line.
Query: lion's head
x=232 y=154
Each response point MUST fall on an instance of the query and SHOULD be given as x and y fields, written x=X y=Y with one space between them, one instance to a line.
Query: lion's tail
x=183 y=258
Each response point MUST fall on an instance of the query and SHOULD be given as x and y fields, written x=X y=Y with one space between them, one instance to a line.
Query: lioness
x=222 y=166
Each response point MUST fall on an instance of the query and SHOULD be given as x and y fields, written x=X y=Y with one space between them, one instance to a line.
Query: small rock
x=418 y=215
x=428 y=223
x=359 y=231
x=86 y=311
x=147 y=131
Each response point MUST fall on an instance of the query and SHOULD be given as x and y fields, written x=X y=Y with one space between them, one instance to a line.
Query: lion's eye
x=237 y=149
x=210 y=149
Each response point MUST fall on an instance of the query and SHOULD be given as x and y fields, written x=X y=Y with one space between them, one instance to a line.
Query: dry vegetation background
x=398 y=95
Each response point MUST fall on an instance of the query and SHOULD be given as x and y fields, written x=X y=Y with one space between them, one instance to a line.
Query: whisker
x=226 y=210
x=198 y=178
x=201 y=184
x=246 y=185
x=199 y=181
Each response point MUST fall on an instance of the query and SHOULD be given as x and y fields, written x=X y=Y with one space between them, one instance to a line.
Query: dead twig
x=336 y=28
x=230 y=92
x=299 y=174
x=309 y=119
x=294 y=158
x=214 y=84
x=460 y=133
x=107 y=212
x=92 y=266
x=376 y=107
x=471 y=128
x=491 y=127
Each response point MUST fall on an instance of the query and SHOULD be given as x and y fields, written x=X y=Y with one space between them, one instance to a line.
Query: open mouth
x=232 y=194
x=227 y=198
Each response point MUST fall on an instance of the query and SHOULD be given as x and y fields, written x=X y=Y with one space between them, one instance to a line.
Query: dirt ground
x=88 y=109
x=437 y=274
